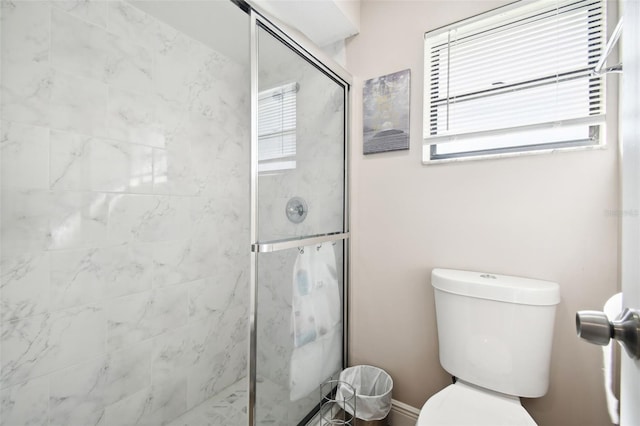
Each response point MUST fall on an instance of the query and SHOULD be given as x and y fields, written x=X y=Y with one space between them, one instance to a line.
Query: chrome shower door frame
x=307 y=50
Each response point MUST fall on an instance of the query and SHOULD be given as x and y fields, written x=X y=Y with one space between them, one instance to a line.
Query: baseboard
x=402 y=414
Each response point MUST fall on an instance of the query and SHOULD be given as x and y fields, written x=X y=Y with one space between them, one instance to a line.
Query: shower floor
x=229 y=407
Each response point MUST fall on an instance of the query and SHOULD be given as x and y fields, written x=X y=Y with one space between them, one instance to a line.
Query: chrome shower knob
x=296 y=209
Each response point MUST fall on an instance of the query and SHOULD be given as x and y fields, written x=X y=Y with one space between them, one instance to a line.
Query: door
x=299 y=229
x=630 y=114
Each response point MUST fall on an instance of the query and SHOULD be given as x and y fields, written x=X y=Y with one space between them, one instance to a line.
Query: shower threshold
x=229 y=407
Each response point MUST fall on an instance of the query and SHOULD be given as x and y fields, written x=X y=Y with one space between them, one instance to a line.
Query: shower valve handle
x=595 y=327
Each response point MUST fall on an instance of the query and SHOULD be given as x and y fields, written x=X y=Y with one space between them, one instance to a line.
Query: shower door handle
x=595 y=327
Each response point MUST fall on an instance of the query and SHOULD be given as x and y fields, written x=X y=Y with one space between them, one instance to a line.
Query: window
x=515 y=79
x=277 y=129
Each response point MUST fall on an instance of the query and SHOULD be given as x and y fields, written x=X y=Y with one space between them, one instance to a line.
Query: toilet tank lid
x=503 y=288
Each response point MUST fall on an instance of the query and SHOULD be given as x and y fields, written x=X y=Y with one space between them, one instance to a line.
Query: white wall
x=537 y=216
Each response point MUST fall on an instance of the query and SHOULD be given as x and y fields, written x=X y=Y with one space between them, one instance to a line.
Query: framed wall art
x=386 y=112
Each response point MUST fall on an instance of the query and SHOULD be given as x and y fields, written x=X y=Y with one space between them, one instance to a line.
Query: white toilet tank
x=496 y=331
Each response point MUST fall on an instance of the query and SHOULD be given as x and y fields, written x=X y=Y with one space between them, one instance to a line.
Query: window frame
x=597 y=131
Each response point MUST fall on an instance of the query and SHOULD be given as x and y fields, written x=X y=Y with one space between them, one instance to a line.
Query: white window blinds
x=277 y=128
x=515 y=80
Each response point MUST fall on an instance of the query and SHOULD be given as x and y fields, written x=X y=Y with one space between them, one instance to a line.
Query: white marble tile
x=129 y=66
x=70 y=163
x=207 y=219
x=130 y=23
x=118 y=167
x=78 y=47
x=25 y=220
x=170 y=309
x=201 y=137
x=154 y=406
x=214 y=87
x=98 y=294
x=26 y=92
x=129 y=371
x=90 y=275
x=78 y=104
x=26 y=404
x=182 y=261
x=219 y=357
x=218 y=158
x=78 y=219
x=173 y=116
x=25 y=31
x=228 y=166
x=79 y=394
x=130 y=411
x=87 y=50
x=45 y=343
x=81 y=276
x=24 y=286
x=25 y=156
x=222 y=219
x=92 y=11
x=228 y=408
x=140 y=173
x=171 y=354
x=81 y=162
x=129 y=320
x=147 y=218
x=144 y=315
x=164 y=37
x=75 y=278
x=213 y=297
x=169 y=401
x=110 y=166
x=173 y=170
x=175 y=71
x=131 y=118
x=129 y=269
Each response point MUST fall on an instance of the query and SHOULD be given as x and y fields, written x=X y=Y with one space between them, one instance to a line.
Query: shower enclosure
x=149 y=154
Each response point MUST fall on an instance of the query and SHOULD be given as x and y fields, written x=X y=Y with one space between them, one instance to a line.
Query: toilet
x=495 y=334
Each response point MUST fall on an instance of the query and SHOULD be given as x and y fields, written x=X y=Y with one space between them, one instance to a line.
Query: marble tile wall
x=124 y=217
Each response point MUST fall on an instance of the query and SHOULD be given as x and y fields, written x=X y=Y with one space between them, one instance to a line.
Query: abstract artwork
x=386 y=112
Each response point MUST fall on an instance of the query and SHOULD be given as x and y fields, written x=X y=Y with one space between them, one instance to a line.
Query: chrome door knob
x=595 y=327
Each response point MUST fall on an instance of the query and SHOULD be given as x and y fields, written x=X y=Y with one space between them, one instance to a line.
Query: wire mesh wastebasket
x=337 y=409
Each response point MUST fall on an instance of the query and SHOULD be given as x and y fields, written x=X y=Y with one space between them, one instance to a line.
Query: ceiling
x=323 y=21
x=224 y=27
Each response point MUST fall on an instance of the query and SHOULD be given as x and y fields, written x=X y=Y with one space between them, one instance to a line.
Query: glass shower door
x=299 y=230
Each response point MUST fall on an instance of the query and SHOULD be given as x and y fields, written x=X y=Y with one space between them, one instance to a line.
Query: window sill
x=598 y=147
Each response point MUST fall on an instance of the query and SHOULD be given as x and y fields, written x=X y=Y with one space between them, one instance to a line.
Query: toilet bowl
x=462 y=404
x=494 y=335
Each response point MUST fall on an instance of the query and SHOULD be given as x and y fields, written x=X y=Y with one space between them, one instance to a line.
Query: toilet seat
x=462 y=404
